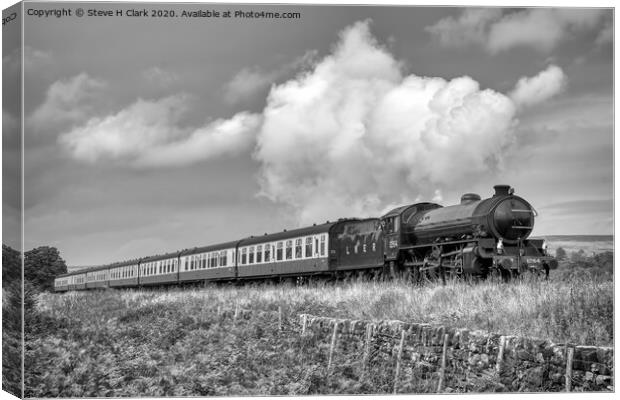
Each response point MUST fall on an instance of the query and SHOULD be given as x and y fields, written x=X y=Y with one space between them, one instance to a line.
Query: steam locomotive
x=477 y=237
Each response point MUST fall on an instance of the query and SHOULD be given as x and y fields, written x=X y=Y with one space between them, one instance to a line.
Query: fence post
x=236 y=312
x=444 y=356
x=369 y=329
x=332 y=346
x=398 y=357
x=500 y=354
x=304 y=320
x=569 y=367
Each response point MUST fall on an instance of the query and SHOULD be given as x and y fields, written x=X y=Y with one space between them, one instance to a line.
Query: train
x=476 y=238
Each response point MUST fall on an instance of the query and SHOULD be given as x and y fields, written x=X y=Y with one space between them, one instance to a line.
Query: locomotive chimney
x=501 y=190
x=469 y=197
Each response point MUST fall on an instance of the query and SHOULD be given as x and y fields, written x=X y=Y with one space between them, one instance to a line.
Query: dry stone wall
x=459 y=358
x=450 y=359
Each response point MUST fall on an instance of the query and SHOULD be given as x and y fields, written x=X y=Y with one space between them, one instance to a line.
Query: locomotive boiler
x=476 y=237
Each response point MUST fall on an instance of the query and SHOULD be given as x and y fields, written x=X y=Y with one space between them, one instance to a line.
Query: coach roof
x=295 y=233
x=206 y=249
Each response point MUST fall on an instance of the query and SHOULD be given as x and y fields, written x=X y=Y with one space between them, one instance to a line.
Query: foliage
x=11 y=321
x=560 y=254
x=12 y=337
x=11 y=265
x=42 y=265
x=185 y=342
x=599 y=266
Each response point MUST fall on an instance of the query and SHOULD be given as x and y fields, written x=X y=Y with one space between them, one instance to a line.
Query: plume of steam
x=354 y=133
x=536 y=89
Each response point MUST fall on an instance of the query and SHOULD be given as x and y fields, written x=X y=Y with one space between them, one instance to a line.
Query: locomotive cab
x=396 y=226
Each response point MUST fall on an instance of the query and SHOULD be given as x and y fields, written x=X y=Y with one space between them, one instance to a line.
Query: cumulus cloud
x=539 y=28
x=472 y=26
x=530 y=91
x=222 y=137
x=67 y=102
x=350 y=137
x=147 y=133
x=251 y=82
x=606 y=35
x=355 y=133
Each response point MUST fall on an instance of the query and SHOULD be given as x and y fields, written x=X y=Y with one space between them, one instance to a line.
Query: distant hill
x=590 y=244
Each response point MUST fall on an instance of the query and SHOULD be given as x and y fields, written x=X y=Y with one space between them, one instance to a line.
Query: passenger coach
x=327 y=249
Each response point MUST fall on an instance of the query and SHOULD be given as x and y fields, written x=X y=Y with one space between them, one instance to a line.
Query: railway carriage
x=208 y=263
x=283 y=254
x=124 y=274
x=61 y=284
x=324 y=249
x=158 y=270
x=77 y=281
x=97 y=278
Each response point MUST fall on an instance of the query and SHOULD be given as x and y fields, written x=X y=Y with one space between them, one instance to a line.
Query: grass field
x=173 y=342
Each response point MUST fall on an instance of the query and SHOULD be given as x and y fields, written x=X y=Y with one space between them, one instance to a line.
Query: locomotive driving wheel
x=432 y=267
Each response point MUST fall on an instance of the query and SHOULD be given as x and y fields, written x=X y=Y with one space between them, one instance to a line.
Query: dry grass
x=175 y=342
x=579 y=312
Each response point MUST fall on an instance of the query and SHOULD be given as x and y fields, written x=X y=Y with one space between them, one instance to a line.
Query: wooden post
x=369 y=329
x=332 y=346
x=444 y=356
x=304 y=321
x=569 y=368
x=279 y=318
x=398 y=357
x=236 y=312
x=500 y=354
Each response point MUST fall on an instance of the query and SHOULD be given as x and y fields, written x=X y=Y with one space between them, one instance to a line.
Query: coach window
x=298 y=248
x=251 y=255
x=279 y=251
x=323 y=245
x=244 y=256
x=267 y=252
x=289 y=249
x=308 y=247
x=259 y=253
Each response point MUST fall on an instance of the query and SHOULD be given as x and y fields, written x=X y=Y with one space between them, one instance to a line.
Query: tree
x=11 y=265
x=42 y=265
x=578 y=256
x=560 y=254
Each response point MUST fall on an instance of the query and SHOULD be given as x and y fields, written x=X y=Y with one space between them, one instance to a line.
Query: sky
x=149 y=135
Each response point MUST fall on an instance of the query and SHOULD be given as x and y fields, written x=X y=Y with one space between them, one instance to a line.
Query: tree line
x=41 y=266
